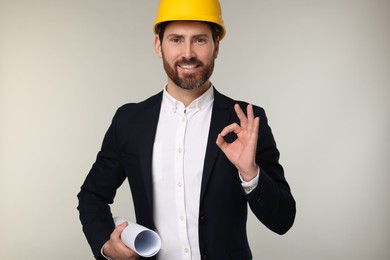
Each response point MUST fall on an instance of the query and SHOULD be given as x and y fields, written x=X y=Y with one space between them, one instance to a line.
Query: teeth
x=188 y=66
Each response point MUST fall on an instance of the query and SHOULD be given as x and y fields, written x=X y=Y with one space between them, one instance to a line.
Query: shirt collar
x=197 y=105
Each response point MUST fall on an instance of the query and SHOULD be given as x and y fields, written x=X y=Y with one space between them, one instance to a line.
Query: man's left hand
x=242 y=152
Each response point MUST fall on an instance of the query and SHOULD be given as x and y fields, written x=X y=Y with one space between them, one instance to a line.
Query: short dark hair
x=216 y=30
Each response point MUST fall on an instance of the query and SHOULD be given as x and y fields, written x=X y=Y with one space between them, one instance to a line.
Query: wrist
x=250 y=174
x=104 y=255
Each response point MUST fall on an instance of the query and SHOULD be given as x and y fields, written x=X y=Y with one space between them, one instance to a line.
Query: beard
x=189 y=81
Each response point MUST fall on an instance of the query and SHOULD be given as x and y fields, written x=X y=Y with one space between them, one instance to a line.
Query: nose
x=188 y=51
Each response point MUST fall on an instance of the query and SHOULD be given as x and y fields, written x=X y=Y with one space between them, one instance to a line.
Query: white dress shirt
x=178 y=157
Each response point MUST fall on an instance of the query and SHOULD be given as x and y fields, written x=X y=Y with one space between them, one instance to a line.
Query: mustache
x=191 y=61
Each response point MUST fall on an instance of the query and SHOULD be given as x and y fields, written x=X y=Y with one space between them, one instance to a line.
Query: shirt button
x=183 y=119
x=181 y=218
x=186 y=250
x=179 y=150
x=179 y=184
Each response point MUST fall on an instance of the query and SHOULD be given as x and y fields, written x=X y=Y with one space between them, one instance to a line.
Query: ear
x=157 y=46
x=216 y=49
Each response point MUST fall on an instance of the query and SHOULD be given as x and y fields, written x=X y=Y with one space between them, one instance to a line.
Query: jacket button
x=205 y=257
x=260 y=201
x=203 y=219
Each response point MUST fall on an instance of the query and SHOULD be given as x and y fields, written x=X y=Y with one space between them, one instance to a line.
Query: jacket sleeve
x=98 y=191
x=271 y=201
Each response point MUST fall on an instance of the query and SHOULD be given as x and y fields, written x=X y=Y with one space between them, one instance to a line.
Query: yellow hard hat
x=190 y=10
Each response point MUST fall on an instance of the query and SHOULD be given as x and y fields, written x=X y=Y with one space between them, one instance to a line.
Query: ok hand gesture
x=242 y=152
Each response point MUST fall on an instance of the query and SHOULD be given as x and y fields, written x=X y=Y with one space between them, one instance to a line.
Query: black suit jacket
x=127 y=153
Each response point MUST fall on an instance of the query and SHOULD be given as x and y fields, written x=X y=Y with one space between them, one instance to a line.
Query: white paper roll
x=142 y=240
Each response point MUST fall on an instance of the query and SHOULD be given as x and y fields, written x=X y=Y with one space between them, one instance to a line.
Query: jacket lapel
x=219 y=119
x=148 y=128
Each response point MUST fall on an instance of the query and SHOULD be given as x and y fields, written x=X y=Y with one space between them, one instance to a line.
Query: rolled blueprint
x=142 y=240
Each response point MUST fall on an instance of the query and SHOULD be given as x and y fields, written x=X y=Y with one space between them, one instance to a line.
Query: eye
x=175 y=40
x=201 y=40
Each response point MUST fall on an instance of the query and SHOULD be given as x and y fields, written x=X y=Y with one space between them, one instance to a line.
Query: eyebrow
x=174 y=35
x=182 y=36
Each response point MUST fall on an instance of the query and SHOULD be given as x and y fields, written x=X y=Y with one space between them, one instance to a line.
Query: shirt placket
x=179 y=187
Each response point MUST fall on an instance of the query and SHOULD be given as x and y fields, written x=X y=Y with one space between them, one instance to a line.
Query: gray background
x=321 y=69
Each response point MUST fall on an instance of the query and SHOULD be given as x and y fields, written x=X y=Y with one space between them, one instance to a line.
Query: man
x=193 y=158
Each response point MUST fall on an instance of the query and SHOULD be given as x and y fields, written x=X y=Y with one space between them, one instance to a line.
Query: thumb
x=222 y=144
x=119 y=229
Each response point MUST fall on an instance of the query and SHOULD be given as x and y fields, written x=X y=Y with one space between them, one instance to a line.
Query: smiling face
x=188 y=52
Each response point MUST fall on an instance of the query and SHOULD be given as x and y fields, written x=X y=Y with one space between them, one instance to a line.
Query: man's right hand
x=116 y=249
